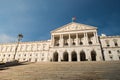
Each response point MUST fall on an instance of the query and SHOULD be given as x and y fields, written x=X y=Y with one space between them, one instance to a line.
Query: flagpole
x=73 y=19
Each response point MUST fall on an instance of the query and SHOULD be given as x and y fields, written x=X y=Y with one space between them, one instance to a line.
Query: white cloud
x=6 y=38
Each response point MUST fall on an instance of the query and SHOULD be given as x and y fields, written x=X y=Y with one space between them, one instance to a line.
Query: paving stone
x=63 y=71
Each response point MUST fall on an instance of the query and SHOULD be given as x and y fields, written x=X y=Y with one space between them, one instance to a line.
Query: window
x=66 y=44
x=35 y=59
x=115 y=42
x=29 y=59
x=111 y=57
x=107 y=43
x=19 y=55
x=81 y=43
x=42 y=54
x=56 y=41
x=24 y=54
x=119 y=57
x=42 y=59
x=4 y=55
x=36 y=54
x=118 y=51
x=8 y=55
x=73 y=43
x=90 y=42
x=109 y=52
x=30 y=54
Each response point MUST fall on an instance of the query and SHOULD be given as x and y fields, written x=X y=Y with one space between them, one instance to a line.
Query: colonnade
x=75 y=39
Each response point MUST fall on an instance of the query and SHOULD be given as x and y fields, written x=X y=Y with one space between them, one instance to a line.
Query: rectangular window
x=111 y=57
x=119 y=57
x=118 y=51
x=8 y=55
x=109 y=52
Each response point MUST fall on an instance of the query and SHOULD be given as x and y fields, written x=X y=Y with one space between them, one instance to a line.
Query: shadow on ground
x=4 y=66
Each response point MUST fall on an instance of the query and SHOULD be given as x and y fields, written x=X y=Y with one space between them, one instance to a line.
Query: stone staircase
x=63 y=71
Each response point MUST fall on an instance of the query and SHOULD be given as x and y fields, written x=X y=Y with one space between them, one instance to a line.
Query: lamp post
x=20 y=36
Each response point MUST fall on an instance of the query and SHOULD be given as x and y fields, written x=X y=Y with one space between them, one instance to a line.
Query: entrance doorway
x=74 y=56
x=65 y=56
x=82 y=56
x=55 y=56
x=93 y=55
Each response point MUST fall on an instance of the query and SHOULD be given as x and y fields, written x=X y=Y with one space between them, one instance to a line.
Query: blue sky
x=36 y=18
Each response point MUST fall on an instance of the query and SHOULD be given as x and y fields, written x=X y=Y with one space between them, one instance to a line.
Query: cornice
x=10 y=43
x=103 y=37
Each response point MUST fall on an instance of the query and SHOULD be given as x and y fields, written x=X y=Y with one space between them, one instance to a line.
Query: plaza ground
x=103 y=70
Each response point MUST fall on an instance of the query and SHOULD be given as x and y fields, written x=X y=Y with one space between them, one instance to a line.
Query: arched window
x=93 y=55
x=115 y=42
x=74 y=56
x=55 y=56
x=65 y=56
x=82 y=56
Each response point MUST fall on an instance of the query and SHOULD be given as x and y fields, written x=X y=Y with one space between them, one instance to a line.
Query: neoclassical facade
x=71 y=42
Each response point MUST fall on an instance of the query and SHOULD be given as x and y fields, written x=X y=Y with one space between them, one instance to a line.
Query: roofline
x=117 y=36
x=69 y=24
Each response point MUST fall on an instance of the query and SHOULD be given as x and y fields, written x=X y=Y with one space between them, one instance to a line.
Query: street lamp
x=20 y=36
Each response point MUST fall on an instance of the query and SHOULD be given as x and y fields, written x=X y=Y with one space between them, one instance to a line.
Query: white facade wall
x=94 y=48
x=111 y=52
x=27 y=51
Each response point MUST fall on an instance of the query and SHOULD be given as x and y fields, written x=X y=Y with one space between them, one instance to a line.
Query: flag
x=73 y=19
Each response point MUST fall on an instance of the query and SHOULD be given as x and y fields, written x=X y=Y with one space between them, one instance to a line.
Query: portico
x=74 y=39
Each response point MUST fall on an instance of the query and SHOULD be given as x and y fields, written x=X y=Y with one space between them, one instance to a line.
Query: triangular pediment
x=73 y=26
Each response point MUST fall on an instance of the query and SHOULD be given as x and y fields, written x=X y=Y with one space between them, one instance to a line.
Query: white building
x=71 y=42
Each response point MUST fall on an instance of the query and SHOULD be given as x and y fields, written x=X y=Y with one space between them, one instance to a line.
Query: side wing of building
x=27 y=51
x=111 y=47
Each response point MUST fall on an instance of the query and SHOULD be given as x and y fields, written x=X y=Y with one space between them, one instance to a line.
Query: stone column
x=61 y=40
x=88 y=54
x=76 y=39
x=59 y=58
x=85 y=39
x=53 y=41
x=96 y=37
x=78 y=56
x=69 y=41
x=69 y=57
